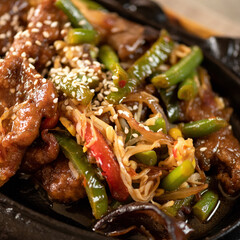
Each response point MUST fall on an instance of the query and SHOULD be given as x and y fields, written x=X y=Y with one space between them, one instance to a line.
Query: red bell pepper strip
x=107 y=162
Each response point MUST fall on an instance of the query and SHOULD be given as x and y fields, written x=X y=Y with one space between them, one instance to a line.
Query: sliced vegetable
x=73 y=88
x=148 y=158
x=178 y=176
x=94 y=187
x=110 y=59
x=202 y=127
x=159 y=124
x=178 y=204
x=175 y=133
x=107 y=162
x=169 y=98
x=188 y=89
x=203 y=208
x=73 y=13
x=144 y=66
x=179 y=71
x=80 y=35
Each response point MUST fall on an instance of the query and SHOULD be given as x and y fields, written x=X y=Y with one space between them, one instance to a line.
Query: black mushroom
x=145 y=218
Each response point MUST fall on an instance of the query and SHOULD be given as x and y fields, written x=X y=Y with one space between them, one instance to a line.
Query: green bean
x=188 y=89
x=169 y=98
x=110 y=59
x=178 y=176
x=74 y=88
x=179 y=71
x=73 y=13
x=80 y=35
x=202 y=127
x=94 y=187
x=203 y=208
x=148 y=158
x=158 y=125
x=178 y=204
x=144 y=67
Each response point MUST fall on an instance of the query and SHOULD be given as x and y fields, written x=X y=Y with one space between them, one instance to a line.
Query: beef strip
x=36 y=42
x=12 y=20
x=129 y=39
x=205 y=105
x=26 y=97
x=26 y=100
x=221 y=150
x=44 y=150
x=59 y=182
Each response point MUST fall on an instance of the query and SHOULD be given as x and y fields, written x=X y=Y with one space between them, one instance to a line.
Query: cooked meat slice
x=207 y=104
x=36 y=42
x=44 y=150
x=129 y=39
x=12 y=20
x=26 y=98
x=222 y=151
x=57 y=179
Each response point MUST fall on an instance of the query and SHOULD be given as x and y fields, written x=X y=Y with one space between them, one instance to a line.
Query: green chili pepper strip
x=94 y=187
x=110 y=59
x=178 y=176
x=169 y=97
x=93 y=5
x=178 y=204
x=148 y=158
x=73 y=88
x=144 y=67
x=188 y=89
x=203 y=208
x=159 y=125
x=80 y=35
x=73 y=13
x=202 y=127
x=179 y=71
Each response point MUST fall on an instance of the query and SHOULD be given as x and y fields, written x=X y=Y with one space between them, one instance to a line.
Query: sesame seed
x=44 y=80
x=35 y=30
x=66 y=25
x=46 y=34
x=203 y=149
x=114 y=89
x=115 y=116
x=31 y=66
x=135 y=135
x=28 y=43
x=35 y=82
x=54 y=24
x=47 y=22
x=55 y=100
x=39 y=24
x=23 y=54
x=38 y=42
x=126 y=130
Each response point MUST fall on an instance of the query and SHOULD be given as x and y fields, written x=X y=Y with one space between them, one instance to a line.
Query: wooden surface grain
x=206 y=17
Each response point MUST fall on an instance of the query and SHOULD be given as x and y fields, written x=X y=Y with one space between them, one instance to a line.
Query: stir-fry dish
x=95 y=106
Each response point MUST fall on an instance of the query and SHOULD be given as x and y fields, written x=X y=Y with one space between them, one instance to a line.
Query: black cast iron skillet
x=26 y=213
